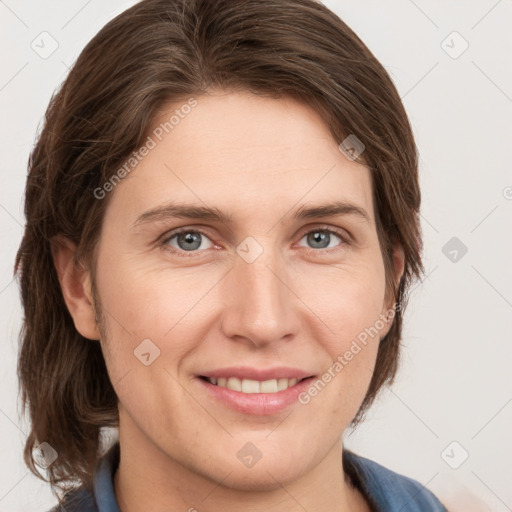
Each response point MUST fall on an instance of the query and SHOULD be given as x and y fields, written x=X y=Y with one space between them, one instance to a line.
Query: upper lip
x=246 y=372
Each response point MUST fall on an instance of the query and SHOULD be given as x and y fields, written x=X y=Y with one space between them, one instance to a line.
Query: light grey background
x=453 y=395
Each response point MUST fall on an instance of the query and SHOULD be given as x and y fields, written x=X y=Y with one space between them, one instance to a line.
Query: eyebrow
x=183 y=211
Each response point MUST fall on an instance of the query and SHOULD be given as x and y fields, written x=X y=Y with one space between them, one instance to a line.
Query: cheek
x=348 y=301
x=169 y=307
x=349 y=304
x=150 y=300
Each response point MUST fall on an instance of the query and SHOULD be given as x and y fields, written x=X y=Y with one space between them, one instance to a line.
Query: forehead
x=244 y=154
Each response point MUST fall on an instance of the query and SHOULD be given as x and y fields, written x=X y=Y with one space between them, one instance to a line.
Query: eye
x=186 y=241
x=193 y=241
x=323 y=238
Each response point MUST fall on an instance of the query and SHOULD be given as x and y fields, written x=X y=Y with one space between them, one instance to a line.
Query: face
x=237 y=304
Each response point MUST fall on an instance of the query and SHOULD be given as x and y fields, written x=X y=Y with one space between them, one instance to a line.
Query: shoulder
x=78 y=500
x=390 y=491
x=99 y=498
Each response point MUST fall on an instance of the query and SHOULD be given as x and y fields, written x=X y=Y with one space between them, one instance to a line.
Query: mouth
x=254 y=392
x=249 y=386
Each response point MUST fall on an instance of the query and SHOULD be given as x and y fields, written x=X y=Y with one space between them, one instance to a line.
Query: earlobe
x=75 y=285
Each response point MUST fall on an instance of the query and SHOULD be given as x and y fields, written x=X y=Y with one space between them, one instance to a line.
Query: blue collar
x=104 y=481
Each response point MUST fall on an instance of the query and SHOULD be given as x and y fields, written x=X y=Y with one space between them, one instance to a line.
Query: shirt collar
x=104 y=481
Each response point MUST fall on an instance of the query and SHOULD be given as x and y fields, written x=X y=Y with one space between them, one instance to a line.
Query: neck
x=148 y=479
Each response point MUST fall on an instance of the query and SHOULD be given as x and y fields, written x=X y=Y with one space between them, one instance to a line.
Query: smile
x=253 y=386
x=253 y=391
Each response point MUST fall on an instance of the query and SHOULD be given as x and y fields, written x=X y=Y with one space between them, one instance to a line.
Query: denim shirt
x=384 y=490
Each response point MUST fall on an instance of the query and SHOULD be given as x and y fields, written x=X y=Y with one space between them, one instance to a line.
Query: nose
x=260 y=307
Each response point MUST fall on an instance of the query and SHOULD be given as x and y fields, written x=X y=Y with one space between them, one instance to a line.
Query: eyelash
x=188 y=254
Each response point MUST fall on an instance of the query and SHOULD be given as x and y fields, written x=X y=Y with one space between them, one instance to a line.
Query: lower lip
x=260 y=404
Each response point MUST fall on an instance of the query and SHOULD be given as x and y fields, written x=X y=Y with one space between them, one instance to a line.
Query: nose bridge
x=259 y=305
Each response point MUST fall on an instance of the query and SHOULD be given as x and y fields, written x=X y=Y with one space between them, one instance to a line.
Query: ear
x=76 y=288
x=389 y=306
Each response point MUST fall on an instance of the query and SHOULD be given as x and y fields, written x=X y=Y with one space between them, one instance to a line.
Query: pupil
x=190 y=238
x=317 y=237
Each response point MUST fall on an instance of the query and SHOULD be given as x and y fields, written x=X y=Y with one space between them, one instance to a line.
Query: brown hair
x=156 y=52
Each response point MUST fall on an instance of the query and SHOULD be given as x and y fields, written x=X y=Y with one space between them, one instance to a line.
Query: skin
x=257 y=159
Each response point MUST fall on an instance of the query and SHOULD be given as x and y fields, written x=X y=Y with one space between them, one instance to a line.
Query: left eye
x=321 y=238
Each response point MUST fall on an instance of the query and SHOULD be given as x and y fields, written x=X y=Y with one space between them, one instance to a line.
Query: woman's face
x=256 y=291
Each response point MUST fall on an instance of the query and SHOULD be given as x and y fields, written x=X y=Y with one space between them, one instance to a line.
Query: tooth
x=250 y=386
x=268 y=386
x=282 y=384
x=234 y=384
x=253 y=386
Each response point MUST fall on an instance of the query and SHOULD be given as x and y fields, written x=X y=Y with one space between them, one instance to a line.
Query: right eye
x=185 y=240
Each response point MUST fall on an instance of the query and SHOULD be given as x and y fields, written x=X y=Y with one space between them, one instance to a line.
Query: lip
x=257 y=404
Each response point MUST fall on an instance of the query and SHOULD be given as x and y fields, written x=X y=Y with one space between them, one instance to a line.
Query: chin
x=262 y=477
